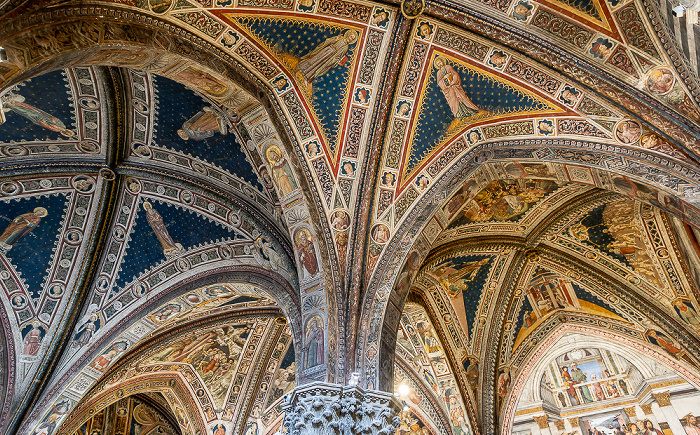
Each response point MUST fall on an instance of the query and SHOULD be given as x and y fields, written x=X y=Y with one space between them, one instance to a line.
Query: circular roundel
x=10 y=188
x=13 y=151
x=83 y=183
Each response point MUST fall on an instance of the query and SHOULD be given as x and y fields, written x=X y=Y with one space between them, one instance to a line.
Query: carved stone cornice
x=321 y=408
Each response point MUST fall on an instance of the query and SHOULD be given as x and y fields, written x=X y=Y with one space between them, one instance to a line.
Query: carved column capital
x=631 y=412
x=329 y=409
x=663 y=398
x=559 y=424
x=542 y=421
x=647 y=409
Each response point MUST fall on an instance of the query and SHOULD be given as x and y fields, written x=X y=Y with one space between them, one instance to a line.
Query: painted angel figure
x=451 y=85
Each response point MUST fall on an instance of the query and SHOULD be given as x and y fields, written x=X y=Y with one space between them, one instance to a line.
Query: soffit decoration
x=237 y=362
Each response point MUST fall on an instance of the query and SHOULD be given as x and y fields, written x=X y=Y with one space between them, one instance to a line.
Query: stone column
x=543 y=424
x=664 y=401
x=329 y=409
x=576 y=423
x=560 y=425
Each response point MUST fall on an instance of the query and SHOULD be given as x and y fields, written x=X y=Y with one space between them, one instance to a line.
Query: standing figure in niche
x=329 y=54
x=504 y=383
x=204 y=124
x=459 y=423
x=15 y=103
x=32 y=340
x=155 y=220
x=307 y=252
x=314 y=345
x=21 y=226
x=281 y=172
x=86 y=330
x=687 y=313
x=451 y=85
x=473 y=373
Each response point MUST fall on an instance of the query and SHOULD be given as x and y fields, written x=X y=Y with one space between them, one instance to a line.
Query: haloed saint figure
x=451 y=85
x=155 y=220
x=16 y=103
x=314 y=349
x=329 y=54
x=21 y=226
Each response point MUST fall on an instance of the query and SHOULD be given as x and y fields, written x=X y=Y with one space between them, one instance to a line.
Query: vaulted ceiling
x=195 y=194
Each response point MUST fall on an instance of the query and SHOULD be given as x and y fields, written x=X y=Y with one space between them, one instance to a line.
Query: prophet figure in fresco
x=204 y=124
x=454 y=277
x=687 y=313
x=314 y=345
x=281 y=172
x=307 y=252
x=15 y=103
x=329 y=54
x=155 y=220
x=451 y=85
x=21 y=226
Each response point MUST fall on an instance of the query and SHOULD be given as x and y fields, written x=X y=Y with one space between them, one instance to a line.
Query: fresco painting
x=458 y=95
x=586 y=376
x=213 y=354
x=38 y=109
x=411 y=424
x=343 y=74
x=321 y=57
x=30 y=233
x=421 y=341
x=547 y=293
x=501 y=200
x=189 y=123
x=601 y=391
x=129 y=416
x=462 y=278
x=162 y=231
x=614 y=228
